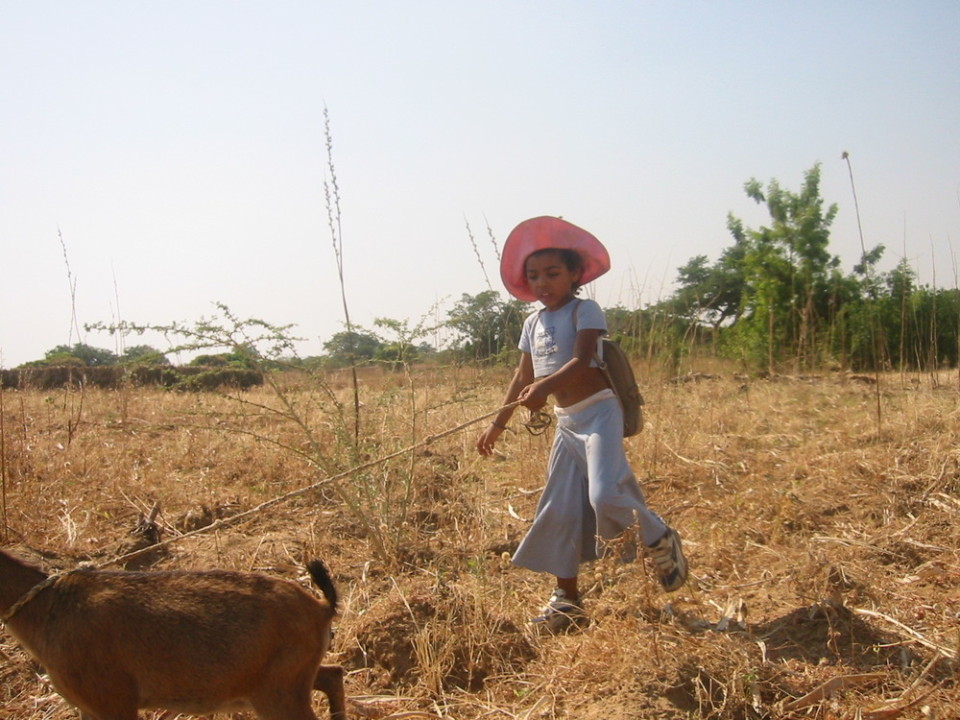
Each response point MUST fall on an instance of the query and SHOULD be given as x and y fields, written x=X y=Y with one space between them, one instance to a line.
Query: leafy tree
x=915 y=326
x=352 y=346
x=778 y=292
x=487 y=326
x=243 y=357
x=144 y=355
x=713 y=294
x=79 y=354
x=622 y=322
x=211 y=360
x=401 y=350
x=788 y=272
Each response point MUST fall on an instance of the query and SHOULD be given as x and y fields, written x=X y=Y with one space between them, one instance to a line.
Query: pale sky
x=179 y=147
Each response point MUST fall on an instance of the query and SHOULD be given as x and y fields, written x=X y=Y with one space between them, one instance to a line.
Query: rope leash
x=223 y=522
x=28 y=596
x=538 y=423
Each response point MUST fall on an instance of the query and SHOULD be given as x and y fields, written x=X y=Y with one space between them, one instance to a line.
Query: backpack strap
x=597 y=357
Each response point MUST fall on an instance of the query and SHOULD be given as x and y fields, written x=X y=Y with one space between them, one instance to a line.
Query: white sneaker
x=561 y=613
x=668 y=557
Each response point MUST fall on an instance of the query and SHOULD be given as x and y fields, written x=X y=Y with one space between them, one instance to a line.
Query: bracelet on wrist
x=498 y=425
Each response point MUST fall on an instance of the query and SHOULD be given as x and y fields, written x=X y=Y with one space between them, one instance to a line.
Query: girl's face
x=550 y=279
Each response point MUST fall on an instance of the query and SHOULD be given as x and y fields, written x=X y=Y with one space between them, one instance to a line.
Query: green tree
x=244 y=356
x=487 y=326
x=144 y=355
x=788 y=272
x=79 y=354
x=352 y=346
x=713 y=294
x=211 y=360
x=399 y=351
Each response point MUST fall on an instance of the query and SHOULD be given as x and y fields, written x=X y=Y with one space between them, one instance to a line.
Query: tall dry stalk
x=476 y=251
x=331 y=191
x=903 y=310
x=934 y=347
x=956 y=287
x=72 y=283
x=493 y=239
x=956 y=290
x=872 y=314
x=76 y=410
x=3 y=469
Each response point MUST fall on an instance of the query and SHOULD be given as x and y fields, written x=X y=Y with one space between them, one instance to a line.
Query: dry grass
x=824 y=548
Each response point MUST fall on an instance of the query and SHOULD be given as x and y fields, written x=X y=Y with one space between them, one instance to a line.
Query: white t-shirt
x=549 y=335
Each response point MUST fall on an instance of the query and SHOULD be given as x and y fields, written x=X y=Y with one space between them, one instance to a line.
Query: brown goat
x=190 y=642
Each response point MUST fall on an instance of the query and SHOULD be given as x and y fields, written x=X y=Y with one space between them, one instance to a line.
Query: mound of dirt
x=421 y=630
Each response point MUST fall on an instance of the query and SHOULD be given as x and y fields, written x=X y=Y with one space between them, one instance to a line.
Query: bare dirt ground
x=819 y=515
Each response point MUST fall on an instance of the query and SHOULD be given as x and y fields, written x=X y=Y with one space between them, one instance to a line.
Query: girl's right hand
x=487 y=439
x=533 y=396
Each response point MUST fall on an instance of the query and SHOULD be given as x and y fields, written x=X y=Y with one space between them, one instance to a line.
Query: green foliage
x=143 y=355
x=80 y=355
x=400 y=351
x=487 y=326
x=713 y=294
x=242 y=357
x=113 y=377
x=918 y=325
x=208 y=379
x=787 y=271
x=777 y=296
x=352 y=347
x=210 y=361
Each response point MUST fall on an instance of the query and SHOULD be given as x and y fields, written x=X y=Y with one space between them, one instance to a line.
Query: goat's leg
x=329 y=680
x=286 y=705
x=121 y=706
x=123 y=715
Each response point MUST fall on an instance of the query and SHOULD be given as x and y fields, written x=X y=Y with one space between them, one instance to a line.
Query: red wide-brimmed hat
x=540 y=233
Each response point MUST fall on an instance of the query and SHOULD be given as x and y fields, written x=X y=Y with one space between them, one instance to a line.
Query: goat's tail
x=321 y=577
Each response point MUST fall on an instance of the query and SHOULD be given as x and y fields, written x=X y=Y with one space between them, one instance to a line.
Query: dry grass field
x=820 y=519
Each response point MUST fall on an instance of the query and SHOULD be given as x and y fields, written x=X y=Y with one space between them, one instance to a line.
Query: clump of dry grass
x=823 y=548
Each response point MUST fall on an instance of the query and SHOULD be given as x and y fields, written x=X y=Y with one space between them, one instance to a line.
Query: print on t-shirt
x=545 y=342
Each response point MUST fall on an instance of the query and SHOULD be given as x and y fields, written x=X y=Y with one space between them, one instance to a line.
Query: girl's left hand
x=487 y=439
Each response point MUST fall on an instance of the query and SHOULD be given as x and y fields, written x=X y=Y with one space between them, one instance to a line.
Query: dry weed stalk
x=476 y=252
x=331 y=192
x=3 y=467
x=871 y=309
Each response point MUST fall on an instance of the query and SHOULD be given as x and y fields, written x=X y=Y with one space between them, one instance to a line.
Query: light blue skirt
x=591 y=495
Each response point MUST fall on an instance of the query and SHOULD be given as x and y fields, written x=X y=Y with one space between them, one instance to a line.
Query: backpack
x=616 y=366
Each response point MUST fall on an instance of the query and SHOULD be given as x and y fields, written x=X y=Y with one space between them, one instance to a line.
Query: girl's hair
x=570 y=258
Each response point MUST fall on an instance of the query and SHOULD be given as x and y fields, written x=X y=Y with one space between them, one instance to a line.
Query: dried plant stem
x=942 y=649
x=873 y=320
x=476 y=251
x=493 y=239
x=332 y=195
x=956 y=288
x=3 y=470
x=934 y=350
x=71 y=281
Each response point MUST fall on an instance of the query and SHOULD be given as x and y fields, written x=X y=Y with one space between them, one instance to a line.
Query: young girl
x=591 y=495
